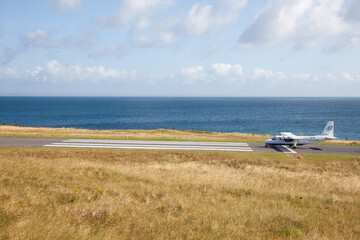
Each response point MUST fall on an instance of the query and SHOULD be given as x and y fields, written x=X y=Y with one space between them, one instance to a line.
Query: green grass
x=345 y=143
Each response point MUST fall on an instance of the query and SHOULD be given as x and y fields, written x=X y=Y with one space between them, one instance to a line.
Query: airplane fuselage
x=281 y=140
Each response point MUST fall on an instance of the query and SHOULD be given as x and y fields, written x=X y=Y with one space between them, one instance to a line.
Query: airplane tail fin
x=329 y=129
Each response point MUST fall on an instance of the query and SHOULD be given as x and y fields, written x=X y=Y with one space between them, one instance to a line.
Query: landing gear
x=294 y=147
x=266 y=145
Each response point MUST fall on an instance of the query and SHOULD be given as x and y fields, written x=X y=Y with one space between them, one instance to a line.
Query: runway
x=176 y=145
x=161 y=145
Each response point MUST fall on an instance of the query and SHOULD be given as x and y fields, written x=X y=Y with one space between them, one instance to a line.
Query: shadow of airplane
x=315 y=148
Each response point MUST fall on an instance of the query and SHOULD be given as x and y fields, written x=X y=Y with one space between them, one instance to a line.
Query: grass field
x=159 y=134
x=137 y=194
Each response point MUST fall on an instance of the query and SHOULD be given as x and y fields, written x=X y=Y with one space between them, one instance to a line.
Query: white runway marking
x=285 y=149
x=153 y=142
x=162 y=145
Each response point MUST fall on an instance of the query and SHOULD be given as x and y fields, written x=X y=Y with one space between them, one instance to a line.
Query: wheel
x=294 y=147
x=266 y=145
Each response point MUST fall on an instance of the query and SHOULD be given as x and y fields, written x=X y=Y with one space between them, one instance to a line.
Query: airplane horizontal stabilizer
x=331 y=138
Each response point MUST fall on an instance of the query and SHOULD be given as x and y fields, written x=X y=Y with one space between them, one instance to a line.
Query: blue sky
x=180 y=48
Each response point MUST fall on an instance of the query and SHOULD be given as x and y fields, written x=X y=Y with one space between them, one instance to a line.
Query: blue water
x=302 y=116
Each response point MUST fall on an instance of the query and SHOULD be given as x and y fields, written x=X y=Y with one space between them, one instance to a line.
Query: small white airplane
x=287 y=138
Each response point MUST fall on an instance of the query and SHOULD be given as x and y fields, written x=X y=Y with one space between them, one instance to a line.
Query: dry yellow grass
x=159 y=134
x=124 y=194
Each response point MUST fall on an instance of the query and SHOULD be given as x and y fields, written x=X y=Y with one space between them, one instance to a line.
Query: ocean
x=302 y=116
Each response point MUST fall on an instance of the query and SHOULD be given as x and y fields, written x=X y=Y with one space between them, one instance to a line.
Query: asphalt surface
x=176 y=145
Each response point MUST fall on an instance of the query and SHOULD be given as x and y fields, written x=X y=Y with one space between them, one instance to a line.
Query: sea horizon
x=94 y=96
x=260 y=115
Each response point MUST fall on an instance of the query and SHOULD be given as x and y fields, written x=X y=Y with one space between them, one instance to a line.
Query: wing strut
x=295 y=144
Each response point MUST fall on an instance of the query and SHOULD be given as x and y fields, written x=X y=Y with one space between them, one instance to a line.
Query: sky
x=225 y=48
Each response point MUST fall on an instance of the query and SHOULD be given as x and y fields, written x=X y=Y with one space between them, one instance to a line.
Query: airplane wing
x=290 y=136
x=298 y=138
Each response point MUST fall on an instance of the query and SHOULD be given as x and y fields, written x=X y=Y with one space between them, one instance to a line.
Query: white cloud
x=301 y=76
x=304 y=78
x=224 y=69
x=192 y=74
x=301 y=22
x=48 y=40
x=343 y=78
x=198 y=19
x=141 y=15
x=305 y=23
x=56 y=72
x=351 y=36
x=216 y=73
x=153 y=24
x=223 y=73
x=37 y=37
x=71 y=73
x=267 y=74
x=350 y=39
x=43 y=39
x=129 y=10
x=10 y=73
x=66 y=5
x=349 y=77
x=221 y=68
x=204 y=17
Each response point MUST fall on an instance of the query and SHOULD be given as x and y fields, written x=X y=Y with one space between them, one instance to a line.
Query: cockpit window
x=274 y=138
